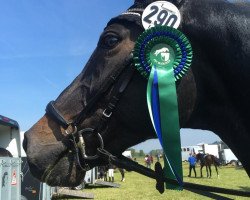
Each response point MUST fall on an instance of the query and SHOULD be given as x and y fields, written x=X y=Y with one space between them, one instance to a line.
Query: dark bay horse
x=103 y=170
x=207 y=160
x=214 y=95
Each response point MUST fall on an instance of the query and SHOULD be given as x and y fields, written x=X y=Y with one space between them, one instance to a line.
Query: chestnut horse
x=214 y=95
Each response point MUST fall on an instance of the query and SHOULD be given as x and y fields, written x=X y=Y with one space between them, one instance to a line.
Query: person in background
x=151 y=159
x=102 y=173
x=148 y=161
x=145 y=160
x=111 y=172
x=192 y=163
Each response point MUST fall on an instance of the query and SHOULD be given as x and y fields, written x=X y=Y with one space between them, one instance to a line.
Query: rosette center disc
x=162 y=55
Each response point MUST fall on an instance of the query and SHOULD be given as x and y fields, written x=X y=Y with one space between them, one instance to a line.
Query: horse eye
x=110 y=41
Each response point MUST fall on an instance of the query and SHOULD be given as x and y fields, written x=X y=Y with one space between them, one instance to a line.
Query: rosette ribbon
x=162 y=55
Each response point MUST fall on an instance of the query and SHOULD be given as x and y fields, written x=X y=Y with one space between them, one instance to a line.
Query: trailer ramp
x=73 y=193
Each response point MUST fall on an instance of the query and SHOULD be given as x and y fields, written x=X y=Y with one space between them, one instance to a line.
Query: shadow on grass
x=66 y=197
x=97 y=186
x=209 y=194
x=197 y=177
x=245 y=188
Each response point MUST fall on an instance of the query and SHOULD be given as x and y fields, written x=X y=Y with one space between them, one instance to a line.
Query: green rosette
x=163 y=55
x=179 y=42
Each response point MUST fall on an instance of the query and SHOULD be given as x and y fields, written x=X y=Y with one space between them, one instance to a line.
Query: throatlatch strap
x=115 y=96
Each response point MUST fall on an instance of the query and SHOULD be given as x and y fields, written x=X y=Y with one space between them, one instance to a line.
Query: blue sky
x=44 y=45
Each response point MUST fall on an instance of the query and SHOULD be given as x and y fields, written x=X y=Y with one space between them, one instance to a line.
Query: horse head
x=88 y=110
x=198 y=156
x=49 y=150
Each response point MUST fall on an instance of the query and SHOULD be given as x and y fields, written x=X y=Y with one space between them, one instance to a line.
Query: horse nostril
x=25 y=142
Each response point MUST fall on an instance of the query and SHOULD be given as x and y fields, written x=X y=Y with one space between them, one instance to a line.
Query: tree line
x=141 y=153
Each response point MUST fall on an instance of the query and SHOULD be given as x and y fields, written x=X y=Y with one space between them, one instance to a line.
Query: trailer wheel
x=233 y=162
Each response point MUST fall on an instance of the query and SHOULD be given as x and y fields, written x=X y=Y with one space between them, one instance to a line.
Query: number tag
x=161 y=13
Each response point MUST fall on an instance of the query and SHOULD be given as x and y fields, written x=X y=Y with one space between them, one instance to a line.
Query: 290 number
x=162 y=17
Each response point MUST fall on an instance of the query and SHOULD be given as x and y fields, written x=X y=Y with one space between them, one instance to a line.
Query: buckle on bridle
x=107 y=114
x=81 y=144
x=69 y=131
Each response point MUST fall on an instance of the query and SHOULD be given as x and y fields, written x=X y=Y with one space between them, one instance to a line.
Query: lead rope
x=131 y=165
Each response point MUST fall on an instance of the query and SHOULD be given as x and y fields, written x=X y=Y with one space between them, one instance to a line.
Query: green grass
x=138 y=186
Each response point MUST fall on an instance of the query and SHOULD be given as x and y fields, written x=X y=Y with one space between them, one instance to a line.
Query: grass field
x=138 y=187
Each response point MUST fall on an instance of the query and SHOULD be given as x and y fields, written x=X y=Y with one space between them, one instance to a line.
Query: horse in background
x=103 y=173
x=207 y=160
x=122 y=171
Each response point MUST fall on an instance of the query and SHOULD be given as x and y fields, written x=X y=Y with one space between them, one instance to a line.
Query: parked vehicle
x=228 y=157
x=210 y=149
x=10 y=161
x=127 y=154
x=16 y=181
x=219 y=149
x=10 y=136
x=186 y=150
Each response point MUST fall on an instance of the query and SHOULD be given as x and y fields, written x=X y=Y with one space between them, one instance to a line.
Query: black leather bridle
x=117 y=83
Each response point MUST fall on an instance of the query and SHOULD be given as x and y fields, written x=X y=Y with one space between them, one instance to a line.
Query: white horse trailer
x=187 y=150
x=211 y=149
x=16 y=181
x=10 y=167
